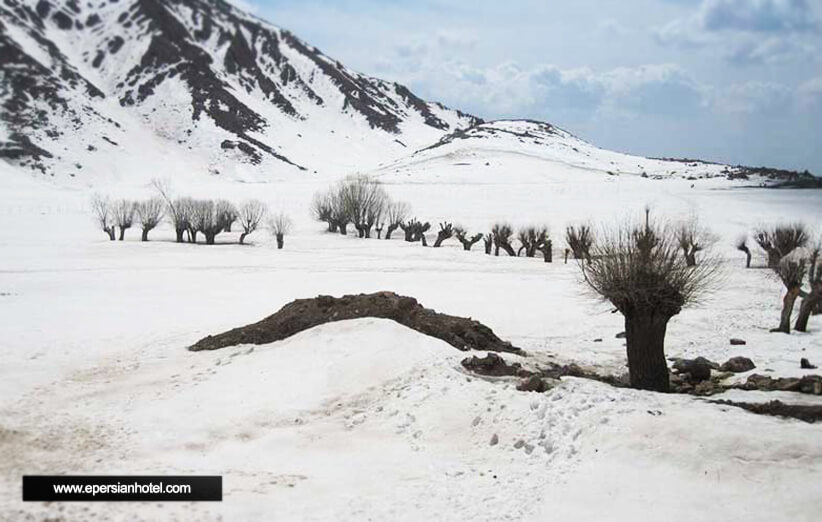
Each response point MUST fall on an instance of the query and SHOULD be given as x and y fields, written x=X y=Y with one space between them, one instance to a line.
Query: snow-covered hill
x=198 y=84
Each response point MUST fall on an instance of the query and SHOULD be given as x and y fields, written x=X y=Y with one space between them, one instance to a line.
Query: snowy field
x=368 y=420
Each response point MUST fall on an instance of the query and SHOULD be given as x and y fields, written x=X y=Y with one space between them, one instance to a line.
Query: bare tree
x=364 y=199
x=149 y=214
x=210 y=218
x=742 y=246
x=547 y=249
x=639 y=269
x=178 y=210
x=415 y=231
x=791 y=271
x=396 y=213
x=693 y=238
x=781 y=240
x=531 y=240
x=251 y=213
x=579 y=239
x=322 y=208
x=813 y=299
x=228 y=213
x=280 y=225
x=446 y=232
x=123 y=211
x=502 y=234
x=488 y=242
x=462 y=237
x=103 y=214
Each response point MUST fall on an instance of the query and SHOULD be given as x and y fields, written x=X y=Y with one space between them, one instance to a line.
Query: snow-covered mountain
x=91 y=86
x=134 y=89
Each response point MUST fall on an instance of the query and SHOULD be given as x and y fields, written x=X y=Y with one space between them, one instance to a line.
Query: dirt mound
x=302 y=314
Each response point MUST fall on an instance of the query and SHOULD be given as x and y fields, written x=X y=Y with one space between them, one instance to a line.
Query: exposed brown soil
x=302 y=314
x=807 y=413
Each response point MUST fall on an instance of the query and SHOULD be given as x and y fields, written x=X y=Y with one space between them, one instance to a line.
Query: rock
x=518 y=444
x=494 y=439
x=738 y=365
x=811 y=384
x=698 y=369
x=738 y=342
x=533 y=384
x=493 y=365
x=598 y=340
x=806 y=364
x=620 y=335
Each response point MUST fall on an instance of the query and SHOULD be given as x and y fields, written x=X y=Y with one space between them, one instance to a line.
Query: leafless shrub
x=280 y=225
x=532 y=240
x=502 y=234
x=251 y=213
x=396 y=213
x=462 y=237
x=103 y=214
x=639 y=269
x=149 y=214
x=123 y=212
x=693 y=238
x=580 y=238
x=446 y=232
x=781 y=240
x=488 y=242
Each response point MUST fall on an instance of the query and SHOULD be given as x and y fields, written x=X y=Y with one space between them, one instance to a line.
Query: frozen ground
x=366 y=420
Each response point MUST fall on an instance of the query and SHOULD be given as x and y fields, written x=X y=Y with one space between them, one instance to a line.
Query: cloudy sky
x=736 y=81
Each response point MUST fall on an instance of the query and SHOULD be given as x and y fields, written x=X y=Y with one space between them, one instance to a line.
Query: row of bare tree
x=794 y=256
x=189 y=217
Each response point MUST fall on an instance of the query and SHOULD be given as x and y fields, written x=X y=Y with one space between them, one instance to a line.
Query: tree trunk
x=787 y=309
x=496 y=249
x=747 y=251
x=424 y=242
x=242 y=237
x=144 y=237
x=209 y=237
x=179 y=232
x=122 y=233
x=547 y=253
x=111 y=233
x=391 y=228
x=645 y=338
x=343 y=227
x=809 y=303
x=379 y=232
x=509 y=250
x=279 y=241
x=566 y=255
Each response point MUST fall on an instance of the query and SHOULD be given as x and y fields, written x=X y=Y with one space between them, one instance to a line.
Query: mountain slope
x=84 y=83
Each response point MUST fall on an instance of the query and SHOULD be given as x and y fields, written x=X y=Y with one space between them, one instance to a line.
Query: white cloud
x=748 y=31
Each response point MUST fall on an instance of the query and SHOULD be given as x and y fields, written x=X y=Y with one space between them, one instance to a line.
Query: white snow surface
x=366 y=419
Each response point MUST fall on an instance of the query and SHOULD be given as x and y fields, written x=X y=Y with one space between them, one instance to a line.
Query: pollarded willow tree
x=812 y=301
x=640 y=270
x=279 y=225
x=149 y=214
x=791 y=271
x=103 y=214
x=123 y=211
x=250 y=214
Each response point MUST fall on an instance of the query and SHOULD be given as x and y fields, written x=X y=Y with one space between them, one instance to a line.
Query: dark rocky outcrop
x=302 y=314
x=805 y=364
